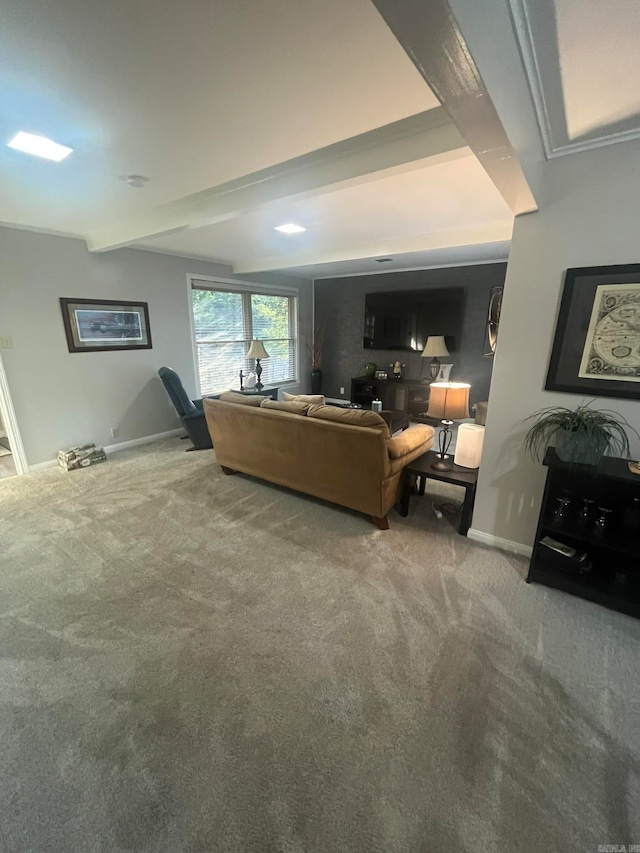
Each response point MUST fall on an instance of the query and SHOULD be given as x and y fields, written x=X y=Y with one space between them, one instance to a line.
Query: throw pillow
x=312 y=399
x=295 y=406
x=241 y=399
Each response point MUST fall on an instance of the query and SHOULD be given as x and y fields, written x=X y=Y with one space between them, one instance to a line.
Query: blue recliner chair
x=190 y=411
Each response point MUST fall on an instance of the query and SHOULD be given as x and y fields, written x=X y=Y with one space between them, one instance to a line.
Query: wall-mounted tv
x=403 y=320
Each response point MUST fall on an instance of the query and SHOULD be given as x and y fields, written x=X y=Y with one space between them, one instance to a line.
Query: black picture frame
x=103 y=325
x=579 y=296
x=493 y=320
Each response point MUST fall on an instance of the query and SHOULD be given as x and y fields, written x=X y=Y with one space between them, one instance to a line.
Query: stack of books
x=81 y=457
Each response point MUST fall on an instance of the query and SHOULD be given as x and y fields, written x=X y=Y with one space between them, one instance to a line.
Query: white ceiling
x=245 y=114
x=190 y=93
x=478 y=253
x=583 y=65
x=432 y=207
x=203 y=93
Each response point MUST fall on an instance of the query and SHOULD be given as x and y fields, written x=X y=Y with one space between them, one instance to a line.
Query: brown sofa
x=346 y=456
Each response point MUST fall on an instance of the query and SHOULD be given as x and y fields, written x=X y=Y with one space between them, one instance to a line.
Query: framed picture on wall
x=596 y=348
x=444 y=373
x=98 y=325
x=493 y=320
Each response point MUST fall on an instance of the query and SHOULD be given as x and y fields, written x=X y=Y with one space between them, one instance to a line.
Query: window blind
x=227 y=320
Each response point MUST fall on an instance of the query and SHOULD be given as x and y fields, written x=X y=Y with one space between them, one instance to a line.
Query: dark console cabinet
x=594 y=510
x=399 y=395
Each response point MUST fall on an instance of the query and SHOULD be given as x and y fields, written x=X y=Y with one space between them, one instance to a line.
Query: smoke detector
x=137 y=181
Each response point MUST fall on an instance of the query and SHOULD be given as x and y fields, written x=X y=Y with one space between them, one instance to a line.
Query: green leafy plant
x=582 y=435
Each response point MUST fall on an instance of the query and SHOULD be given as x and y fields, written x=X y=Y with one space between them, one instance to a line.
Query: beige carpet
x=193 y=662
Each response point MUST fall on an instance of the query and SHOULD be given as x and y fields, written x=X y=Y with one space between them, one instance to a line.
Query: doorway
x=12 y=457
x=7 y=462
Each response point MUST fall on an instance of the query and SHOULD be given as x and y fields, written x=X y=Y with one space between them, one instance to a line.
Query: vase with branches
x=582 y=435
x=315 y=348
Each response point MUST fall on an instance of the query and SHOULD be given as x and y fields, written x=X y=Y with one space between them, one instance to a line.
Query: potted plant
x=315 y=349
x=582 y=435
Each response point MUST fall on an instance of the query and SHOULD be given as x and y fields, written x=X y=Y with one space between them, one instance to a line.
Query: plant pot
x=316 y=381
x=575 y=447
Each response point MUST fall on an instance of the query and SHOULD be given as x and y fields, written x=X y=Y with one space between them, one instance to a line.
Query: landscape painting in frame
x=596 y=349
x=101 y=325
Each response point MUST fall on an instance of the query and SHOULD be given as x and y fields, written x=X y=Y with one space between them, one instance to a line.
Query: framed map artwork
x=596 y=349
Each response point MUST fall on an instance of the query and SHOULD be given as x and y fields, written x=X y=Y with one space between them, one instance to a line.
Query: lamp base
x=443 y=463
x=259 y=385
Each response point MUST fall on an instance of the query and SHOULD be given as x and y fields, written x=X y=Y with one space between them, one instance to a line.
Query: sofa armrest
x=409 y=440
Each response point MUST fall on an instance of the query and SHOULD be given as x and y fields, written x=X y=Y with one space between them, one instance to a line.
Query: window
x=226 y=320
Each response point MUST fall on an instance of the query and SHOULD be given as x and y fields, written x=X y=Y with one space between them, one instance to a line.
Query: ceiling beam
x=492 y=232
x=358 y=159
x=429 y=33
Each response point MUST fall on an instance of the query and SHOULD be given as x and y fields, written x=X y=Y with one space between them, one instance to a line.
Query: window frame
x=239 y=286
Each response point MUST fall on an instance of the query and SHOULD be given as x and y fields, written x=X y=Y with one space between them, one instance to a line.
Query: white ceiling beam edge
x=430 y=35
x=548 y=103
x=427 y=134
x=493 y=232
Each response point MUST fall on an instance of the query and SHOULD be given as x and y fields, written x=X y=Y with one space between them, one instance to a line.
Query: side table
x=271 y=391
x=421 y=469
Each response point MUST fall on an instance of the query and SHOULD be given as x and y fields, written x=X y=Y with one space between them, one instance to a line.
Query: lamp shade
x=257 y=350
x=449 y=401
x=469 y=445
x=435 y=347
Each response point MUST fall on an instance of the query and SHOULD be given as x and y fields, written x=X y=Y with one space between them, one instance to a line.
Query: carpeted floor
x=193 y=662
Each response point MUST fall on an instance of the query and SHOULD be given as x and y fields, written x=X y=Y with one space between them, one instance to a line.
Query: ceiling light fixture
x=290 y=228
x=39 y=146
x=137 y=181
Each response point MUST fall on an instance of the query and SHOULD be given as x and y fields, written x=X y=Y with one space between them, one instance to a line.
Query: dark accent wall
x=339 y=303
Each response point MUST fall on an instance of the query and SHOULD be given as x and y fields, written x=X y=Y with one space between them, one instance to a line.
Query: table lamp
x=435 y=348
x=448 y=401
x=257 y=351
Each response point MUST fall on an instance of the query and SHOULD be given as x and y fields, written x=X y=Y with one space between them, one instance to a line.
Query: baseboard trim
x=113 y=448
x=146 y=439
x=499 y=542
x=41 y=466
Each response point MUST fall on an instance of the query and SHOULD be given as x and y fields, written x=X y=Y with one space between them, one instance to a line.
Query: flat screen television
x=403 y=320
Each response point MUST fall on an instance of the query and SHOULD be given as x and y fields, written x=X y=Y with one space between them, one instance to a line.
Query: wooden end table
x=266 y=391
x=421 y=469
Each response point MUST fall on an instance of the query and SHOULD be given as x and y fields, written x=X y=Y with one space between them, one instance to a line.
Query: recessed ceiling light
x=290 y=228
x=40 y=146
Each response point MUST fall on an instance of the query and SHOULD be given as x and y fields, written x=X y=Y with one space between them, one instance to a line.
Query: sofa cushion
x=311 y=399
x=355 y=417
x=241 y=399
x=295 y=406
x=409 y=440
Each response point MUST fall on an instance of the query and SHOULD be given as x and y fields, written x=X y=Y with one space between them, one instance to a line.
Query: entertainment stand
x=400 y=395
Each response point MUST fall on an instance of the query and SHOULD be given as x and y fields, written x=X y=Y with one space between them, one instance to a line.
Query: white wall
x=62 y=398
x=589 y=215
